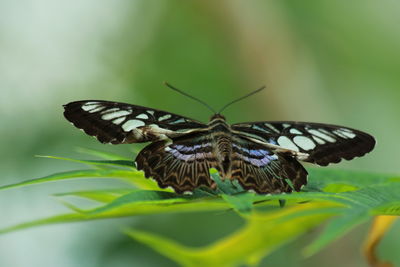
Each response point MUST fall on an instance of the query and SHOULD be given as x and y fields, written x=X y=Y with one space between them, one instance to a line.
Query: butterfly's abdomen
x=223 y=151
x=222 y=139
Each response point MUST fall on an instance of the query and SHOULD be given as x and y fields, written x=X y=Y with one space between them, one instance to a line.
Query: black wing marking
x=183 y=164
x=323 y=143
x=116 y=123
x=259 y=169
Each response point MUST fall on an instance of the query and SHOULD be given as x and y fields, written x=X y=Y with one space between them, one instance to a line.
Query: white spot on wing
x=100 y=108
x=90 y=105
x=339 y=133
x=295 y=131
x=285 y=142
x=114 y=115
x=132 y=124
x=319 y=140
x=110 y=110
x=151 y=112
x=347 y=133
x=346 y=130
x=256 y=127
x=302 y=156
x=118 y=121
x=142 y=116
x=177 y=121
x=165 y=117
x=271 y=127
x=322 y=135
x=304 y=142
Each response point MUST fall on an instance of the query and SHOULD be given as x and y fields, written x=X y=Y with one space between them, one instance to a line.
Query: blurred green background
x=325 y=61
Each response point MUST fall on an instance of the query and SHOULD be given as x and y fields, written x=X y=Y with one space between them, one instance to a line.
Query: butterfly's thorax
x=222 y=138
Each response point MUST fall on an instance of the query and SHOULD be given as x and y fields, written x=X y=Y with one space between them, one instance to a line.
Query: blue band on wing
x=190 y=153
x=259 y=162
x=258 y=152
x=258 y=157
x=191 y=148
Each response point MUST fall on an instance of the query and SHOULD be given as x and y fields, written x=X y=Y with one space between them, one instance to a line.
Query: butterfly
x=262 y=156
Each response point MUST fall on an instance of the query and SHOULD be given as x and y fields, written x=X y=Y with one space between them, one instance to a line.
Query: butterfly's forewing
x=183 y=164
x=116 y=123
x=323 y=143
x=264 y=171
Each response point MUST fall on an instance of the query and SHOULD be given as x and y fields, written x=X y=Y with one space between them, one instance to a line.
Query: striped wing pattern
x=263 y=171
x=183 y=164
x=117 y=123
x=323 y=143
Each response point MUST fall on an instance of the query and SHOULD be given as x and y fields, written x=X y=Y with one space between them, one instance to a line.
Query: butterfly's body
x=221 y=140
x=261 y=156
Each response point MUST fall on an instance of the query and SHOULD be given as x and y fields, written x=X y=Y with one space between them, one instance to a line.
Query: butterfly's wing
x=117 y=123
x=183 y=163
x=263 y=170
x=321 y=143
x=179 y=155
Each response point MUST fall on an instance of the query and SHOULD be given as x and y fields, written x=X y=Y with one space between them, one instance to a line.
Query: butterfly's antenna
x=243 y=97
x=192 y=97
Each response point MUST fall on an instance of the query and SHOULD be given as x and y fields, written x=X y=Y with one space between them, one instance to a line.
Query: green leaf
x=335 y=229
x=322 y=177
x=390 y=208
x=226 y=186
x=338 y=188
x=377 y=200
x=263 y=233
x=126 y=210
x=115 y=163
x=140 y=196
x=101 y=154
x=241 y=203
x=134 y=176
x=104 y=196
x=73 y=217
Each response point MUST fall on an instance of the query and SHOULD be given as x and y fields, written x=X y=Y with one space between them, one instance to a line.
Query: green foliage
x=347 y=198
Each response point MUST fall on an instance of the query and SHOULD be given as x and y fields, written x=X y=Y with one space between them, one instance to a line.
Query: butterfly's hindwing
x=116 y=123
x=259 y=169
x=183 y=165
x=323 y=143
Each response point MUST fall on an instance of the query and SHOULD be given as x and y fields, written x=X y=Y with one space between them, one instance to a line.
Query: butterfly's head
x=217 y=117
